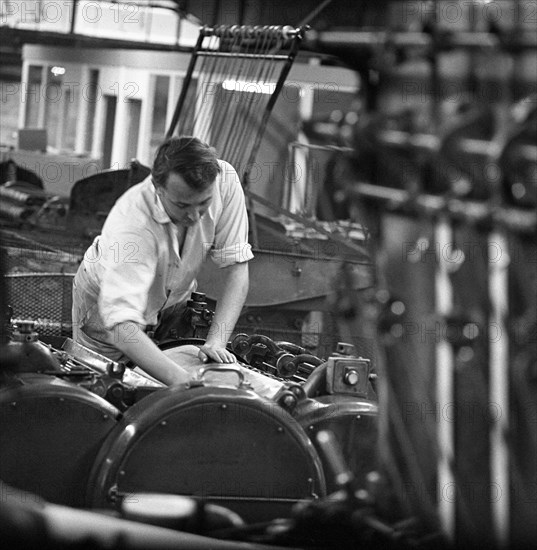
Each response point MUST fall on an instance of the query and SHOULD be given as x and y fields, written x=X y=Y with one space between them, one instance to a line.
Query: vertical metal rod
x=43 y=105
x=516 y=59
x=435 y=70
x=499 y=387
x=177 y=27
x=73 y=17
x=473 y=59
x=184 y=89
x=445 y=374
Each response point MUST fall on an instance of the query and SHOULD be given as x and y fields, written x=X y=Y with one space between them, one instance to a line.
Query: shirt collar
x=158 y=212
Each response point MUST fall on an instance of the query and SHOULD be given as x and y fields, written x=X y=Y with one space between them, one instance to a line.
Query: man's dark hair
x=195 y=161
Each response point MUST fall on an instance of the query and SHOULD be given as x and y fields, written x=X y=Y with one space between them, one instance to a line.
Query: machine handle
x=222 y=368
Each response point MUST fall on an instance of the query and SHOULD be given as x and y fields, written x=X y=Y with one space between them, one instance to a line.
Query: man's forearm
x=229 y=305
x=138 y=347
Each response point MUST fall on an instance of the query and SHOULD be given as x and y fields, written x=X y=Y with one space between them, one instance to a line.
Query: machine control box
x=348 y=375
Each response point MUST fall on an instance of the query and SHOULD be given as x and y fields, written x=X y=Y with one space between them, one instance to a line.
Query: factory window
x=110 y=103
x=61 y=100
x=33 y=96
x=160 y=110
x=91 y=97
x=53 y=107
x=134 y=109
x=70 y=117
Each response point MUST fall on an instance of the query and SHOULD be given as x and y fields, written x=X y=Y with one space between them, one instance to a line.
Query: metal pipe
x=518 y=220
x=73 y=17
x=445 y=379
x=443 y=41
x=215 y=53
x=499 y=387
x=433 y=143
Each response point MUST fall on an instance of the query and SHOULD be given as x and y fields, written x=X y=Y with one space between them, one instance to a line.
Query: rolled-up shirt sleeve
x=130 y=266
x=231 y=233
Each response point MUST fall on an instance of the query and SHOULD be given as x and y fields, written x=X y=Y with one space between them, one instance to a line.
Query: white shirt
x=134 y=269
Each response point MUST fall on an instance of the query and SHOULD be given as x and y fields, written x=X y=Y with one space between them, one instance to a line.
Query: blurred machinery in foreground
x=457 y=302
x=450 y=205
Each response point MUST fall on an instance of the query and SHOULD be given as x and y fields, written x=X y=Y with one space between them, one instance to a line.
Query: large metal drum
x=223 y=443
x=50 y=434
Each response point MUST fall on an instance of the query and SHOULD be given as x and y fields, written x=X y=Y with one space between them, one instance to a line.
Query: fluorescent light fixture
x=252 y=87
x=57 y=71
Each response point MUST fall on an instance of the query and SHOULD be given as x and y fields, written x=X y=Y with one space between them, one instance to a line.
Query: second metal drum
x=50 y=433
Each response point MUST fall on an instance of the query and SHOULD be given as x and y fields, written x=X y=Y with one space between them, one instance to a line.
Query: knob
x=351 y=377
x=285 y=365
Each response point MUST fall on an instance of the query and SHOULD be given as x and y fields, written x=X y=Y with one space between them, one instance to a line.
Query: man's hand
x=217 y=353
x=228 y=307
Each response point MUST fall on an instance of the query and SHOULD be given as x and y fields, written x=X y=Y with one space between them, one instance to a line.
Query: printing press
x=240 y=441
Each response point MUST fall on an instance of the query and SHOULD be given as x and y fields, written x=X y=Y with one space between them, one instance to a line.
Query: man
x=153 y=243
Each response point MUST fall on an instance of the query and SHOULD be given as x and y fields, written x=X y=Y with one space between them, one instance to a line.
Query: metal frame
x=295 y=35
